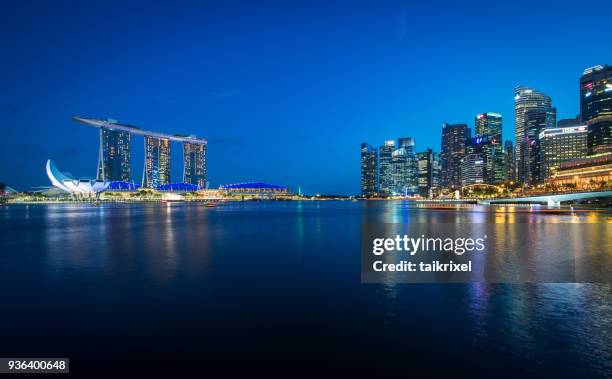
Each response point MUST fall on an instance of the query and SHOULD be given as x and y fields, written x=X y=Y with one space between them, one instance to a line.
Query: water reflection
x=533 y=320
x=117 y=238
x=262 y=275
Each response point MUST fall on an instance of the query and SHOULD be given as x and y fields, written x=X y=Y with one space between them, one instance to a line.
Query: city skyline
x=293 y=109
x=399 y=188
x=548 y=156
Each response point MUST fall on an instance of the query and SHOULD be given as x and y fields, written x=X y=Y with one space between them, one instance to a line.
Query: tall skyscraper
x=428 y=163
x=115 y=155
x=509 y=161
x=409 y=180
x=157 y=162
x=407 y=143
x=404 y=172
x=489 y=124
x=472 y=169
x=559 y=145
x=454 y=138
x=596 y=107
x=194 y=163
x=535 y=122
x=488 y=128
x=399 y=166
x=531 y=108
x=492 y=156
x=385 y=175
x=369 y=170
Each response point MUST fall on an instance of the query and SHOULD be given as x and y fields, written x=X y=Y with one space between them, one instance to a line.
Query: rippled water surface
x=274 y=284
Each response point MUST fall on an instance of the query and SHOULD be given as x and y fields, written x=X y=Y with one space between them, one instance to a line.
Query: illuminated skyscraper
x=596 y=107
x=536 y=121
x=559 y=145
x=488 y=128
x=533 y=102
x=492 y=155
x=409 y=181
x=406 y=143
x=157 y=162
x=369 y=170
x=428 y=163
x=472 y=169
x=403 y=178
x=115 y=155
x=385 y=174
x=489 y=124
x=194 y=163
x=509 y=161
x=454 y=138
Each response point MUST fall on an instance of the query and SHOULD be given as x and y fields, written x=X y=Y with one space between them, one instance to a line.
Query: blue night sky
x=284 y=91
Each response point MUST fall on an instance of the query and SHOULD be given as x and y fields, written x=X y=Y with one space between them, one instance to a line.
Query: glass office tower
x=385 y=173
x=491 y=155
x=509 y=161
x=369 y=170
x=428 y=165
x=472 y=169
x=410 y=179
x=596 y=107
x=157 y=162
x=488 y=128
x=454 y=139
x=402 y=173
x=536 y=121
x=194 y=163
x=407 y=143
x=527 y=101
x=489 y=124
x=559 y=145
x=114 y=156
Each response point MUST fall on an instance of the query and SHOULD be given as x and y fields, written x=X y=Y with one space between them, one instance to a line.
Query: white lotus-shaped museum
x=67 y=183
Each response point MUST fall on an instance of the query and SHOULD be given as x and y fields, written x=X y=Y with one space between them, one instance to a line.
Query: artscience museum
x=78 y=187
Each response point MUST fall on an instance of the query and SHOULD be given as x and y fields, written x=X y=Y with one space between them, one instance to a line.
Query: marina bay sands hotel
x=115 y=154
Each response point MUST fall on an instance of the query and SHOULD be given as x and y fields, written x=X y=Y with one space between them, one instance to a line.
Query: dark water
x=252 y=286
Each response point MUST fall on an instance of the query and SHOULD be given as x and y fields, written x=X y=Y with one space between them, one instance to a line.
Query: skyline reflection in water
x=285 y=278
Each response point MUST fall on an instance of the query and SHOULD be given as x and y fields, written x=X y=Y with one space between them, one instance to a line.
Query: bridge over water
x=551 y=200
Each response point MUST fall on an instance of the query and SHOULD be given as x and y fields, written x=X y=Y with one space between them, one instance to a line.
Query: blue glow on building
x=120 y=186
x=179 y=187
